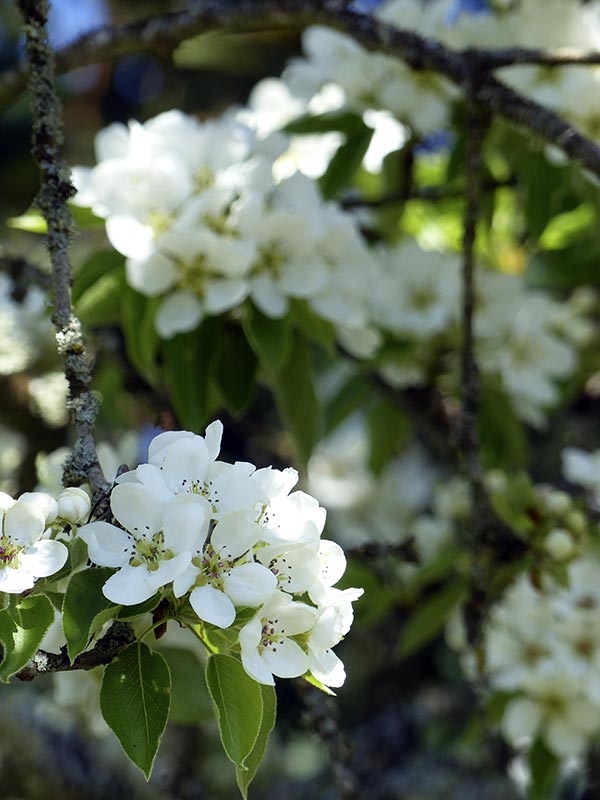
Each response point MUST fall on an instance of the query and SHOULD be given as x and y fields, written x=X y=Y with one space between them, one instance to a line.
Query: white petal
x=15 y=581
x=179 y=313
x=184 y=580
x=521 y=719
x=44 y=558
x=168 y=570
x=185 y=522
x=151 y=476
x=24 y=523
x=267 y=296
x=152 y=275
x=234 y=534
x=286 y=659
x=212 y=437
x=108 y=546
x=137 y=509
x=221 y=295
x=212 y=606
x=129 y=236
x=257 y=667
x=249 y=584
x=328 y=668
x=333 y=562
x=158 y=445
x=563 y=739
x=185 y=464
x=129 y=586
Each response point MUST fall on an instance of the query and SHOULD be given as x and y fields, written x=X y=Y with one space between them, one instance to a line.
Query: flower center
x=270 y=635
x=213 y=566
x=272 y=257
x=151 y=552
x=9 y=553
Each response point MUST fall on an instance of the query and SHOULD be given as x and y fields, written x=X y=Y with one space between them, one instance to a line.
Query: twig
x=118 y=637
x=55 y=190
x=433 y=194
x=321 y=717
x=161 y=35
x=468 y=437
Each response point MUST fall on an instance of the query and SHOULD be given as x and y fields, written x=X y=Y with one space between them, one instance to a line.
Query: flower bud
x=559 y=544
x=576 y=522
x=556 y=502
x=73 y=504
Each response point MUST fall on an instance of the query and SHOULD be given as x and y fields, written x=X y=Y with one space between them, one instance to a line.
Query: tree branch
x=118 y=637
x=160 y=36
x=55 y=190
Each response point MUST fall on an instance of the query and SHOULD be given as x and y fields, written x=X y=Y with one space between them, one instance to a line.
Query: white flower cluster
x=524 y=338
x=583 y=468
x=367 y=80
x=24 y=327
x=231 y=539
x=543 y=647
x=372 y=81
x=196 y=210
x=28 y=550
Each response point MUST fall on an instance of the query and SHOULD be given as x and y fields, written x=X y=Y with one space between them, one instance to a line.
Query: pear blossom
x=25 y=553
x=155 y=544
x=221 y=578
x=267 y=643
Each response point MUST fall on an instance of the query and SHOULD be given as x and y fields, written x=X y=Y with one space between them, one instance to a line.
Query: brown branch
x=433 y=194
x=161 y=35
x=321 y=717
x=502 y=57
x=55 y=190
x=118 y=637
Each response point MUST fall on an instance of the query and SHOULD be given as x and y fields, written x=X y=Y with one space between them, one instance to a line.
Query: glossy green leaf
x=97 y=266
x=188 y=360
x=100 y=304
x=351 y=396
x=236 y=370
x=429 y=618
x=141 y=339
x=134 y=700
x=23 y=624
x=190 y=701
x=246 y=774
x=83 y=603
x=31 y=221
x=238 y=703
x=544 y=767
x=345 y=163
x=296 y=399
x=269 y=338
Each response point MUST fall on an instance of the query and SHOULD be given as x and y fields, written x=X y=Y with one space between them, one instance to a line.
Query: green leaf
x=22 y=627
x=296 y=399
x=545 y=770
x=100 y=304
x=239 y=705
x=31 y=221
x=141 y=339
x=127 y=613
x=503 y=436
x=314 y=328
x=134 y=700
x=310 y=678
x=83 y=603
x=246 y=774
x=269 y=338
x=345 y=122
x=352 y=396
x=85 y=217
x=188 y=361
x=388 y=427
x=97 y=266
x=345 y=163
x=235 y=371
x=190 y=702
x=564 y=229
x=429 y=618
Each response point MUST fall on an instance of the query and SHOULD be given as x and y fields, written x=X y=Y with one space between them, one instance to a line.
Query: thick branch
x=161 y=35
x=118 y=637
x=55 y=190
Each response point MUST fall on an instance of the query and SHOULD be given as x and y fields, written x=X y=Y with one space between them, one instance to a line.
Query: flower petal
x=44 y=558
x=136 y=508
x=108 y=546
x=286 y=659
x=249 y=584
x=212 y=606
x=129 y=586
